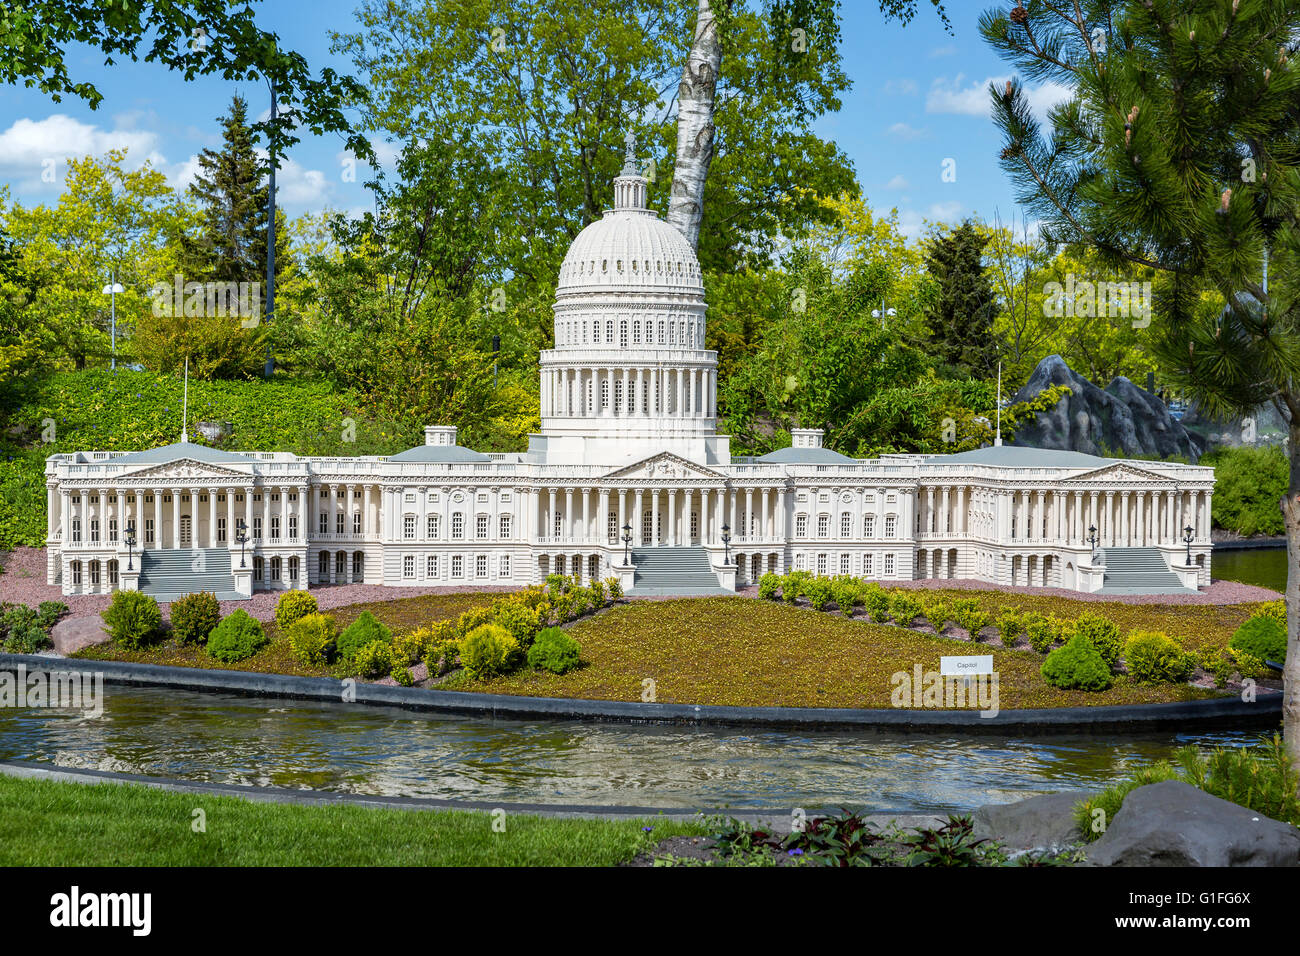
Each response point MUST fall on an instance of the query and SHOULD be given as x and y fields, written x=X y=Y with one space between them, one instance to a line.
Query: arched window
x=323 y=567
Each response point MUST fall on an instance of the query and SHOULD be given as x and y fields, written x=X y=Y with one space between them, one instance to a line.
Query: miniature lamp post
x=241 y=535
x=1189 y=533
x=130 y=545
x=111 y=290
x=627 y=544
x=1092 y=536
x=726 y=543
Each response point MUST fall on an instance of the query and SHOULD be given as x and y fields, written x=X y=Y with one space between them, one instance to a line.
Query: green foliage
x=311 y=638
x=133 y=620
x=373 y=660
x=938 y=611
x=21 y=630
x=1249 y=482
x=194 y=616
x=1092 y=824
x=293 y=605
x=769 y=586
x=520 y=620
x=1043 y=631
x=443 y=649
x=1103 y=633
x=238 y=637
x=970 y=616
x=961 y=317
x=818 y=592
x=489 y=651
x=1155 y=658
x=846 y=591
x=1010 y=624
x=1263 y=637
x=792 y=585
x=366 y=629
x=613 y=588
x=49 y=612
x=904 y=607
x=1077 y=665
x=1225 y=662
x=554 y=651
x=875 y=601
x=411 y=647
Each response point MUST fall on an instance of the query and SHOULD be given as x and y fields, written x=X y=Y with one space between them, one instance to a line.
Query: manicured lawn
x=742 y=651
x=403 y=614
x=49 y=823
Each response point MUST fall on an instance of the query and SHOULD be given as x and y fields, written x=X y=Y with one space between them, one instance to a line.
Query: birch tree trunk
x=695 y=128
x=1291 y=667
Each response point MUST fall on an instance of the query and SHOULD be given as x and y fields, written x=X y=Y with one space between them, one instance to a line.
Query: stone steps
x=1139 y=571
x=169 y=574
x=665 y=571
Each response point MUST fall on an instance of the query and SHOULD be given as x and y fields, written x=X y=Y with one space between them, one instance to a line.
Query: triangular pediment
x=1121 y=472
x=184 y=468
x=668 y=467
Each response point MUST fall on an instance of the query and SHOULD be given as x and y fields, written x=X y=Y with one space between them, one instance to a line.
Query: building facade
x=627 y=461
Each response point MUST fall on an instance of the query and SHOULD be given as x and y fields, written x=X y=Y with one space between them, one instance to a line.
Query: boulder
x=74 y=633
x=1175 y=824
x=1121 y=419
x=1039 y=822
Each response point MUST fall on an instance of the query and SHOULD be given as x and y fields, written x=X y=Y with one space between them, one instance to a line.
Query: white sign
x=966 y=666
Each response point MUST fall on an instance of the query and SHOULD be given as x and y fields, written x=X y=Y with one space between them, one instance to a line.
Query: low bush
x=1104 y=635
x=410 y=648
x=194 y=616
x=21 y=631
x=444 y=649
x=49 y=612
x=614 y=588
x=875 y=601
x=238 y=637
x=769 y=586
x=1093 y=815
x=1043 y=631
x=366 y=629
x=311 y=639
x=293 y=605
x=373 y=660
x=846 y=592
x=1156 y=658
x=818 y=592
x=938 y=612
x=1263 y=636
x=519 y=619
x=904 y=607
x=1010 y=624
x=488 y=651
x=971 y=618
x=1077 y=666
x=554 y=651
x=133 y=620
x=1223 y=663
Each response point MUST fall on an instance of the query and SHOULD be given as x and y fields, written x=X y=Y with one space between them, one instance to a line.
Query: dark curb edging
x=1217 y=713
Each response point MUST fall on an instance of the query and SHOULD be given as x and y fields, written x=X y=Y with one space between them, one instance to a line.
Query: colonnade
x=666 y=516
x=622 y=392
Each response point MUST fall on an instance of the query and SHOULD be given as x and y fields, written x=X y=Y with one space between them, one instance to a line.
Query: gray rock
x=1121 y=419
x=74 y=633
x=1046 y=821
x=1175 y=824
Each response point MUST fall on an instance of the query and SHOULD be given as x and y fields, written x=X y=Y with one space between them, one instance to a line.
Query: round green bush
x=238 y=637
x=1156 y=658
x=488 y=650
x=554 y=651
x=818 y=592
x=366 y=629
x=768 y=586
x=132 y=619
x=1263 y=636
x=519 y=619
x=293 y=605
x=373 y=660
x=311 y=638
x=194 y=616
x=904 y=607
x=1103 y=633
x=1077 y=665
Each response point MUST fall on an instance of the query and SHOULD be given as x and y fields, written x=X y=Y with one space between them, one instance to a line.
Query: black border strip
x=1213 y=713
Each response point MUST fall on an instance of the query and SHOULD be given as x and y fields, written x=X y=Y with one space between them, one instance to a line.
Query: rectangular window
x=889 y=565
x=257 y=527
x=76 y=573
x=845 y=564
x=801 y=526
x=868 y=565
x=505 y=566
x=356 y=522
x=275 y=527
x=481 y=526
x=821 y=564
x=338 y=522
x=94 y=530
x=480 y=566
x=408 y=566
x=457 y=566
x=798 y=561
x=505 y=526
x=221 y=529
x=112 y=573
x=293 y=526
x=891 y=526
x=457 y=526
x=823 y=526
x=112 y=529
x=431 y=566
x=846 y=525
x=695 y=524
x=324 y=523
x=408 y=527
x=148 y=530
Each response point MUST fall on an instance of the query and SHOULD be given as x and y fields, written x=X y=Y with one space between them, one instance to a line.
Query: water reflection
x=230 y=739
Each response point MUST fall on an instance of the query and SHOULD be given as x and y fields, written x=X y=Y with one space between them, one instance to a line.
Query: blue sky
x=918 y=98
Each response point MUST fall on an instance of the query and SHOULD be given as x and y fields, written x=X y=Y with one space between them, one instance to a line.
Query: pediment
x=184 y=468
x=666 y=466
x=1121 y=473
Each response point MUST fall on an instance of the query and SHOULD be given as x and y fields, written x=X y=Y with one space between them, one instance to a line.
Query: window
x=559 y=524
x=275 y=527
x=112 y=573
x=868 y=565
x=112 y=529
x=323 y=566
x=504 y=570
x=293 y=526
x=434 y=521
x=94 y=531
x=338 y=522
x=868 y=526
x=457 y=526
x=846 y=525
x=891 y=526
x=293 y=568
x=821 y=564
x=148 y=530
x=505 y=526
x=636 y=332
x=622 y=333
x=604 y=393
x=801 y=526
x=695 y=524
x=823 y=526
x=408 y=566
x=76 y=573
x=457 y=566
x=275 y=569
x=845 y=565
x=259 y=567
x=480 y=566
x=76 y=531
x=94 y=574
x=611 y=526
x=356 y=522
x=358 y=565
x=257 y=527
x=889 y=565
x=431 y=566
x=408 y=527
x=340 y=564
x=324 y=523
x=481 y=526
x=221 y=529
x=609 y=331
x=798 y=561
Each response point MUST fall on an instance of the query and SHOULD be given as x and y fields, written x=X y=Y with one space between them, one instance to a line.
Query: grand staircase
x=169 y=574
x=1139 y=571
x=683 y=571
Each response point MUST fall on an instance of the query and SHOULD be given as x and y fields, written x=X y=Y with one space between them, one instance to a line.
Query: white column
x=568 y=523
x=549 y=528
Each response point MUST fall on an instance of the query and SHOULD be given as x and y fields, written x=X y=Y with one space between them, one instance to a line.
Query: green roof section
x=181 y=450
x=439 y=453
x=1020 y=456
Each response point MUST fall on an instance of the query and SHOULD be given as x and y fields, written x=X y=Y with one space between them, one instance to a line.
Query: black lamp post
x=1092 y=536
x=130 y=544
x=241 y=535
x=1188 y=534
x=627 y=544
x=726 y=544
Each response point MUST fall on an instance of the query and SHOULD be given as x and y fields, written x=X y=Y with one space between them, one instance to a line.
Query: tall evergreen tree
x=1180 y=150
x=960 y=319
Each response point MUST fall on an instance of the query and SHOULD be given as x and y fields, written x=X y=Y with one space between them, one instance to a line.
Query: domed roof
x=630 y=248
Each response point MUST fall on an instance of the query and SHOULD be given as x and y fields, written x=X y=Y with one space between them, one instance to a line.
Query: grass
x=51 y=823
x=741 y=651
x=403 y=614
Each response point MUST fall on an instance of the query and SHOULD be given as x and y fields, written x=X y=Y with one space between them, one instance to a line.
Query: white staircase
x=683 y=571
x=1138 y=571
x=170 y=574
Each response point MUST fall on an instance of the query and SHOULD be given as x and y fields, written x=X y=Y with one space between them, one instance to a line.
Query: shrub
x=521 y=621
x=23 y=633
x=597 y=594
x=1104 y=635
x=194 y=616
x=793 y=586
x=132 y=619
x=875 y=601
x=293 y=605
x=1077 y=665
x=443 y=652
x=402 y=674
x=1261 y=778
x=1273 y=609
x=971 y=618
x=818 y=592
x=1248 y=484
x=311 y=639
x=614 y=588
x=846 y=591
x=366 y=629
x=1224 y=662
x=1042 y=631
x=476 y=617
x=238 y=637
x=904 y=607
x=937 y=611
x=49 y=612
x=768 y=586
x=1262 y=636
x=554 y=651
x=1155 y=658
x=410 y=648
x=487 y=651
x=1010 y=624
x=373 y=660
x=1092 y=824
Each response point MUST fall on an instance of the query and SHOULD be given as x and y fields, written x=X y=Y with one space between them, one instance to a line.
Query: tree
x=960 y=319
x=1180 y=151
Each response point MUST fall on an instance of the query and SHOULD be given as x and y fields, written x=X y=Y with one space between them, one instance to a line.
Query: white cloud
x=296 y=185
x=898 y=182
x=28 y=147
x=904 y=131
x=913 y=223
x=956 y=97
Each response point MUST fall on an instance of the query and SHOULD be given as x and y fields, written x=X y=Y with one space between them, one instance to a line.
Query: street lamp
x=111 y=290
x=627 y=544
x=241 y=535
x=726 y=544
x=881 y=312
x=130 y=544
x=1189 y=533
x=1092 y=536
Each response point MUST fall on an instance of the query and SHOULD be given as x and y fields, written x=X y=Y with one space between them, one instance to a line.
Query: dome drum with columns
x=628 y=447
